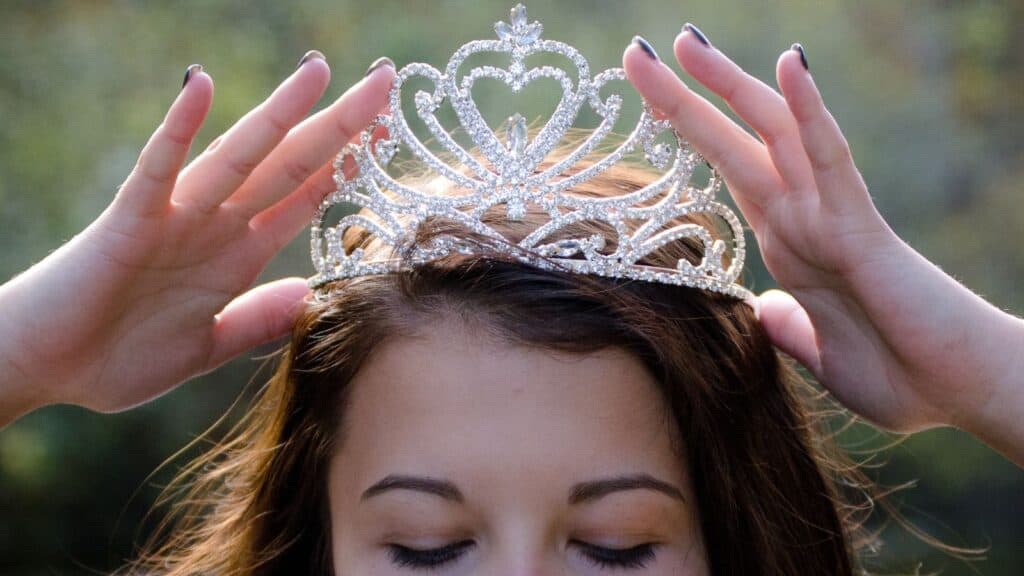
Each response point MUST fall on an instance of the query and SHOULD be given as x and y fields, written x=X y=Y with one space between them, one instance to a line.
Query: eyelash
x=616 y=558
x=611 y=558
x=404 y=557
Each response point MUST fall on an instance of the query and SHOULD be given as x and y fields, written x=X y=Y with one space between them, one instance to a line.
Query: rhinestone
x=518 y=16
x=393 y=211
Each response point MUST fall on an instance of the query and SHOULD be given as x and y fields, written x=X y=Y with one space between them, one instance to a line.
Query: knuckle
x=313 y=195
x=145 y=168
x=279 y=127
x=216 y=142
x=840 y=154
x=723 y=162
x=775 y=130
x=297 y=172
x=240 y=166
x=832 y=159
x=179 y=139
x=158 y=177
x=672 y=108
x=736 y=85
x=810 y=109
x=771 y=136
x=806 y=113
x=730 y=89
x=343 y=127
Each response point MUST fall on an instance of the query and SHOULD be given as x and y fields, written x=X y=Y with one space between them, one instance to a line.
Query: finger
x=281 y=223
x=838 y=181
x=216 y=174
x=261 y=315
x=740 y=158
x=278 y=225
x=148 y=188
x=314 y=142
x=755 y=102
x=789 y=328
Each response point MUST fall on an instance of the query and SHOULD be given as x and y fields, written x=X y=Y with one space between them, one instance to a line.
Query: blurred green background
x=930 y=94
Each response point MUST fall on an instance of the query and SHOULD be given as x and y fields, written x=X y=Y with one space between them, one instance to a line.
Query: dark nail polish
x=382 y=61
x=696 y=32
x=646 y=46
x=803 y=55
x=310 y=56
x=193 y=69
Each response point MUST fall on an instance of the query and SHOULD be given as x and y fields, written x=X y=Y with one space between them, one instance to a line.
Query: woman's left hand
x=887 y=332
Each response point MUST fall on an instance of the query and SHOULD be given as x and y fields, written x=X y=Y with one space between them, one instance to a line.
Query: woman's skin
x=154 y=291
x=893 y=337
x=417 y=464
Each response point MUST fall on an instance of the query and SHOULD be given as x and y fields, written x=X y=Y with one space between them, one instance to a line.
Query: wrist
x=999 y=418
x=20 y=393
x=967 y=363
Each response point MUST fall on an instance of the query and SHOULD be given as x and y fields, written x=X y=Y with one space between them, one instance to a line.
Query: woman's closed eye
x=603 y=557
x=428 y=558
x=616 y=558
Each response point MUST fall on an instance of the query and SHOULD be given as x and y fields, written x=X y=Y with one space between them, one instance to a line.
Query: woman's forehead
x=451 y=403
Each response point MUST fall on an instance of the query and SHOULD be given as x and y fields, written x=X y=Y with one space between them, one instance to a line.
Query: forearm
x=1000 y=420
x=16 y=399
x=19 y=393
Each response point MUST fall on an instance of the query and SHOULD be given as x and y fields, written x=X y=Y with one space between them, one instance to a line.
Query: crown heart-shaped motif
x=505 y=172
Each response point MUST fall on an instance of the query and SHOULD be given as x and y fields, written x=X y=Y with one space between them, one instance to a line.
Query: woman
x=196 y=240
x=484 y=416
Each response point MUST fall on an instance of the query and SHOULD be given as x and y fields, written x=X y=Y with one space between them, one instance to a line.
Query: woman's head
x=482 y=416
x=471 y=453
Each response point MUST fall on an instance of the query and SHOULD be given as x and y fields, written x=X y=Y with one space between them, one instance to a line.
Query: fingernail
x=696 y=32
x=310 y=56
x=646 y=46
x=382 y=61
x=193 y=69
x=803 y=55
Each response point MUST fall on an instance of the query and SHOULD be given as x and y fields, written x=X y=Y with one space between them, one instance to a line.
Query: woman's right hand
x=153 y=292
x=893 y=337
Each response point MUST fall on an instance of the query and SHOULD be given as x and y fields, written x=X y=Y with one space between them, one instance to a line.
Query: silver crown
x=393 y=211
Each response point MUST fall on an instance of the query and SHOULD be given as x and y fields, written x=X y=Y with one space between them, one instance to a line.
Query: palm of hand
x=844 y=272
x=156 y=284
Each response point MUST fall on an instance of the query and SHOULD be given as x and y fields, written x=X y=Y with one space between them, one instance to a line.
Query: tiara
x=505 y=173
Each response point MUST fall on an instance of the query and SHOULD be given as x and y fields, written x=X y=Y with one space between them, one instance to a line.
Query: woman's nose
x=527 y=550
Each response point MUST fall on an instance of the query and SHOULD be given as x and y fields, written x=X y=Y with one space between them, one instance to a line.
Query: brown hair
x=764 y=476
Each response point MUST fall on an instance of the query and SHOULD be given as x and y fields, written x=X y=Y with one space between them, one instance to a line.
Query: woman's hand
x=889 y=334
x=151 y=293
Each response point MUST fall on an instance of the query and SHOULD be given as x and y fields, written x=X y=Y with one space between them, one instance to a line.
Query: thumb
x=789 y=328
x=261 y=315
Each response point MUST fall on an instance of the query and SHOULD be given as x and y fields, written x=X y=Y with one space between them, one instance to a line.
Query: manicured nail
x=310 y=56
x=193 y=69
x=803 y=55
x=696 y=32
x=379 y=62
x=646 y=46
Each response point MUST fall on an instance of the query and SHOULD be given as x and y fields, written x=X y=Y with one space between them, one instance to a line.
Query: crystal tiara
x=505 y=173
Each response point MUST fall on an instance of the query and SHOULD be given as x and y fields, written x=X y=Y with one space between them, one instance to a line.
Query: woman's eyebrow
x=580 y=493
x=434 y=486
x=597 y=489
